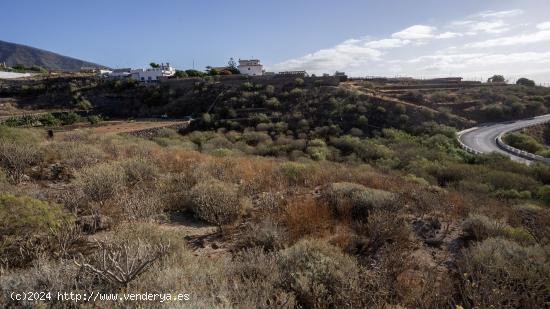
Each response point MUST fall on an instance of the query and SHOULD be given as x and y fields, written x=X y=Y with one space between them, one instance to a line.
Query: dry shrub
x=47 y=275
x=503 y=274
x=174 y=189
x=266 y=234
x=479 y=227
x=17 y=156
x=536 y=220
x=304 y=216
x=143 y=202
x=125 y=146
x=356 y=200
x=216 y=202
x=178 y=160
x=259 y=176
x=119 y=263
x=139 y=170
x=258 y=281
x=321 y=276
x=249 y=279
x=101 y=182
x=269 y=202
x=75 y=154
x=382 y=229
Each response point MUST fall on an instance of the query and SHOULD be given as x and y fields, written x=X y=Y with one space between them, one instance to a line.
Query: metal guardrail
x=502 y=145
x=464 y=146
x=518 y=152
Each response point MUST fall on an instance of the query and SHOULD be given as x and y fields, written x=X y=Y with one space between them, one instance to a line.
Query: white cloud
x=474 y=27
x=415 y=32
x=500 y=14
x=482 y=62
x=449 y=35
x=387 y=43
x=425 y=50
x=350 y=53
x=514 y=40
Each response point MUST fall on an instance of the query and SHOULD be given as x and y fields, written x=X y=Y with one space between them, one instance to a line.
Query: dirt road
x=115 y=127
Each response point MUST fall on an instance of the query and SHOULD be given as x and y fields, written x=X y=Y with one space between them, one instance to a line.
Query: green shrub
x=139 y=170
x=321 y=276
x=69 y=118
x=500 y=273
x=523 y=142
x=317 y=149
x=94 y=119
x=508 y=181
x=75 y=154
x=544 y=194
x=215 y=202
x=254 y=138
x=293 y=173
x=512 y=194
x=101 y=182
x=365 y=149
x=356 y=199
x=49 y=120
x=24 y=219
x=16 y=156
x=479 y=227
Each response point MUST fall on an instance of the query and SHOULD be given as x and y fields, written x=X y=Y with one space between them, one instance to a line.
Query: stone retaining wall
x=154 y=132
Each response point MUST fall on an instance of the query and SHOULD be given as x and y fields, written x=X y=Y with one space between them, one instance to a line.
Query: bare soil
x=115 y=127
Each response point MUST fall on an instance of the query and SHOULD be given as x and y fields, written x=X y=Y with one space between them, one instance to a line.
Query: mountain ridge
x=13 y=53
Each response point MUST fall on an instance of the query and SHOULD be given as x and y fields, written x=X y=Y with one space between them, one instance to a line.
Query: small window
x=143 y=78
x=249 y=69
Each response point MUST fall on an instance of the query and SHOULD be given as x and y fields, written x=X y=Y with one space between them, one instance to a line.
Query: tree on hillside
x=181 y=74
x=194 y=73
x=525 y=82
x=154 y=65
x=211 y=71
x=496 y=79
x=232 y=66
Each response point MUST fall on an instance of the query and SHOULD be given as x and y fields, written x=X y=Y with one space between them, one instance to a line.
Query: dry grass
x=306 y=217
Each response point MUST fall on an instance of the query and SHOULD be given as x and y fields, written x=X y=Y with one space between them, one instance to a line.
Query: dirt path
x=116 y=127
x=202 y=238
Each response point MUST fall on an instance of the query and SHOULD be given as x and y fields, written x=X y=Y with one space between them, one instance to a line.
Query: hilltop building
x=251 y=67
x=153 y=74
x=120 y=73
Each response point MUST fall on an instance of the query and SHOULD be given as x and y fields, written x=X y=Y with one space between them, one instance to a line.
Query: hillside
x=13 y=54
x=295 y=194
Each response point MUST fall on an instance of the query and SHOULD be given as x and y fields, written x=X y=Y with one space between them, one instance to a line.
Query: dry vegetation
x=286 y=214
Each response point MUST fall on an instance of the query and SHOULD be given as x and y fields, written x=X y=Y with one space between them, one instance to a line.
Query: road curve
x=483 y=138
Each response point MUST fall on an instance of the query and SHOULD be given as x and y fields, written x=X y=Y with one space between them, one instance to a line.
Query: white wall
x=254 y=70
x=8 y=75
x=152 y=74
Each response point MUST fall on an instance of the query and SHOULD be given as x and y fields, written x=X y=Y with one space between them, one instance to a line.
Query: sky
x=423 y=38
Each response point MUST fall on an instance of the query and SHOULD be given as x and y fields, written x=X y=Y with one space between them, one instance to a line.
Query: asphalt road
x=483 y=137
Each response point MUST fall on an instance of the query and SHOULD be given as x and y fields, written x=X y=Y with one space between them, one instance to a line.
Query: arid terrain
x=299 y=195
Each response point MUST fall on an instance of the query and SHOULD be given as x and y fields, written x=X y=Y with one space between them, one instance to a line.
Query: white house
x=251 y=67
x=119 y=73
x=153 y=74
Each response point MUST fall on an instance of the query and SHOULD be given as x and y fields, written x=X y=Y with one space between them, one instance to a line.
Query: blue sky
x=416 y=38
